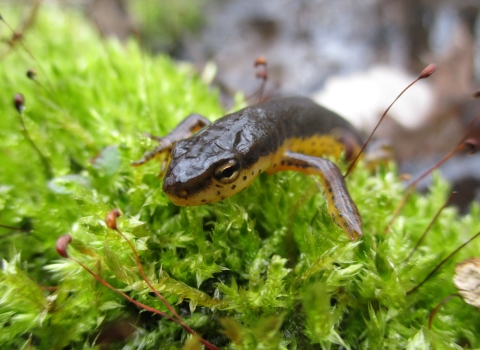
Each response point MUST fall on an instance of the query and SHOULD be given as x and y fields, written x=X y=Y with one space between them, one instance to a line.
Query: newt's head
x=202 y=172
x=196 y=180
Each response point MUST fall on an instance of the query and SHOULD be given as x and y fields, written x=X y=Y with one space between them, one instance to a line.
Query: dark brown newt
x=224 y=157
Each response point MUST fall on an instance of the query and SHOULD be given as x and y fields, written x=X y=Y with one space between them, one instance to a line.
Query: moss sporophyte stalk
x=264 y=269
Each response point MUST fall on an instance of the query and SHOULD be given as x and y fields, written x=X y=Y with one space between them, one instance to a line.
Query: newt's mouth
x=191 y=192
x=201 y=191
x=184 y=198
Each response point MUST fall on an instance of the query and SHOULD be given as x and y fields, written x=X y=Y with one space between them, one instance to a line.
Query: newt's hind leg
x=340 y=205
x=186 y=128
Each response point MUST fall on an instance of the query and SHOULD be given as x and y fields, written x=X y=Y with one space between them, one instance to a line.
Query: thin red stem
x=376 y=127
x=143 y=306
x=109 y=286
x=430 y=225
x=43 y=159
x=434 y=311
x=441 y=264
x=409 y=190
x=140 y=266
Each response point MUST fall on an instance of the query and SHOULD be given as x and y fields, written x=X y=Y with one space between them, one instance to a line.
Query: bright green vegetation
x=163 y=22
x=266 y=269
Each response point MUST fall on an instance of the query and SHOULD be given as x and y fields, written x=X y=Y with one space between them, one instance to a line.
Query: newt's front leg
x=186 y=128
x=340 y=205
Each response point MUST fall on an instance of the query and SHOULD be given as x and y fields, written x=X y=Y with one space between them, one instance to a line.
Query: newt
x=224 y=157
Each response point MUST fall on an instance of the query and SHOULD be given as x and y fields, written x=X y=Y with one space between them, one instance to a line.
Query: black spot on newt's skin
x=234 y=186
x=244 y=178
x=275 y=165
x=259 y=171
x=219 y=193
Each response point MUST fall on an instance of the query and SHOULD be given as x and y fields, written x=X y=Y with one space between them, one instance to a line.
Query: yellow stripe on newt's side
x=317 y=145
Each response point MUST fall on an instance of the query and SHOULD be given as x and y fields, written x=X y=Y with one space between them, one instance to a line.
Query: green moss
x=268 y=266
x=164 y=22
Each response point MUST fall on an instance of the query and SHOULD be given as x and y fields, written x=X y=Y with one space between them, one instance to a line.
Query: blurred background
x=351 y=56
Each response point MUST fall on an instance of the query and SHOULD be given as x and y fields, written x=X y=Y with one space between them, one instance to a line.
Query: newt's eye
x=228 y=172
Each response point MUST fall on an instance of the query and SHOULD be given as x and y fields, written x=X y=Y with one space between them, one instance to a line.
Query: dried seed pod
x=31 y=74
x=19 y=102
x=62 y=245
x=429 y=70
x=476 y=94
x=260 y=61
x=472 y=145
x=467 y=280
x=111 y=219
